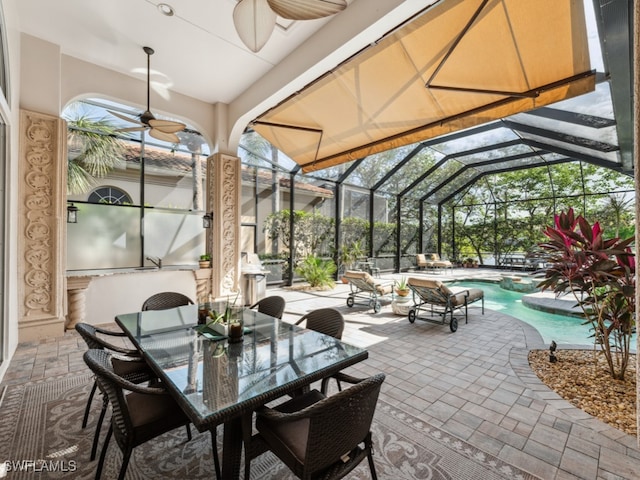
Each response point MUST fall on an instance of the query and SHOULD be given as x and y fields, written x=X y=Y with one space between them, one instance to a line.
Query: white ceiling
x=197 y=51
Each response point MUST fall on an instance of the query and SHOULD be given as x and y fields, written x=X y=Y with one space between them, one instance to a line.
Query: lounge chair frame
x=365 y=288
x=432 y=262
x=437 y=298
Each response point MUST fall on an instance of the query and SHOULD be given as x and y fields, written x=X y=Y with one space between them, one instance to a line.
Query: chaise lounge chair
x=442 y=300
x=366 y=287
x=432 y=261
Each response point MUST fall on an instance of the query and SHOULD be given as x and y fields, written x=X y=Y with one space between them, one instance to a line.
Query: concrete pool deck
x=548 y=302
x=477 y=384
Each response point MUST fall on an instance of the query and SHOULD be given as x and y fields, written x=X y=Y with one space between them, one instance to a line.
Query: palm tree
x=619 y=208
x=93 y=150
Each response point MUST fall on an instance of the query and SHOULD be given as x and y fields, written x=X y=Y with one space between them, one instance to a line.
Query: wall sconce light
x=207 y=220
x=72 y=213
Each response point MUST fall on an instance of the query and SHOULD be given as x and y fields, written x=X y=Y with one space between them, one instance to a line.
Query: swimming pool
x=562 y=329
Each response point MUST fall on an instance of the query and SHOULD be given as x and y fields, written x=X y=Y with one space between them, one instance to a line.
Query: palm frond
x=93 y=146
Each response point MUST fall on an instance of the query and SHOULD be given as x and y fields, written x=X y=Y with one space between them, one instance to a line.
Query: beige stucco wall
x=50 y=81
x=79 y=79
x=109 y=295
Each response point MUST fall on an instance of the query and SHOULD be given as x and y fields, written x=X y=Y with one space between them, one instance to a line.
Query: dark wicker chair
x=323 y=437
x=166 y=300
x=324 y=320
x=272 y=306
x=129 y=365
x=139 y=413
x=328 y=321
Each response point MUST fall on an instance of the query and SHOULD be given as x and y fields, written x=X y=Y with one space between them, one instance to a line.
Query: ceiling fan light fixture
x=254 y=21
x=306 y=9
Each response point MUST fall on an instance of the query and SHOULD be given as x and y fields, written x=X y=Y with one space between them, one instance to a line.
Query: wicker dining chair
x=272 y=306
x=138 y=413
x=129 y=365
x=324 y=320
x=166 y=300
x=328 y=321
x=323 y=437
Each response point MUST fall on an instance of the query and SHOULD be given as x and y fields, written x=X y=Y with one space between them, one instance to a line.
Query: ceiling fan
x=164 y=130
x=255 y=20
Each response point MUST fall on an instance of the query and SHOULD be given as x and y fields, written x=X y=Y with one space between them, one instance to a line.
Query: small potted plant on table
x=402 y=287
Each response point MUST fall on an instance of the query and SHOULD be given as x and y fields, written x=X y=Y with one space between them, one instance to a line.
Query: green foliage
x=93 y=150
x=350 y=253
x=313 y=231
x=525 y=200
x=224 y=315
x=600 y=273
x=617 y=213
x=256 y=150
x=318 y=272
x=402 y=284
x=355 y=229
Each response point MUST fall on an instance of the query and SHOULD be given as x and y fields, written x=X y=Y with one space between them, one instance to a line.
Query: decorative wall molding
x=41 y=225
x=224 y=200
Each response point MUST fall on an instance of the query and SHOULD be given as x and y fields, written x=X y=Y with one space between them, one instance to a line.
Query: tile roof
x=180 y=162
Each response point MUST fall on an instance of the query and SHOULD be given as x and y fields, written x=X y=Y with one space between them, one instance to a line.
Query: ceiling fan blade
x=254 y=22
x=306 y=9
x=167 y=126
x=125 y=118
x=132 y=129
x=165 y=137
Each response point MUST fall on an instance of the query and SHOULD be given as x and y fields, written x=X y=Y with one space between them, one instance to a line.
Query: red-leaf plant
x=601 y=275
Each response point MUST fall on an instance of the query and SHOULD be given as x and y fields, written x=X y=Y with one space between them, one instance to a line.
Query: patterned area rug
x=40 y=432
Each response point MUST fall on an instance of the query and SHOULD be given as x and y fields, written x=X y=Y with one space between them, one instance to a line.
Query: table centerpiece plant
x=221 y=321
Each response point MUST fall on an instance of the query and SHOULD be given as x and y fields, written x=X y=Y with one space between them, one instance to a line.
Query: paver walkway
x=475 y=383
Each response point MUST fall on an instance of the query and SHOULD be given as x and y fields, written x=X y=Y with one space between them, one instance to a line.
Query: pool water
x=563 y=329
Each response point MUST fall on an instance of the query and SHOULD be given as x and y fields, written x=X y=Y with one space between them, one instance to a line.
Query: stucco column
x=203 y=284
x=224 y=200
x=41 y=225
x=76 y=297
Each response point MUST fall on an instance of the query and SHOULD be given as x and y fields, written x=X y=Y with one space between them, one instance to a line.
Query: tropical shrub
x=318 y=272
x=601 y=275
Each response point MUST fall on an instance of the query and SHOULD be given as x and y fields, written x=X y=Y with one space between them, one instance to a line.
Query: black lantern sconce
x=207 y=220
x=72 y=213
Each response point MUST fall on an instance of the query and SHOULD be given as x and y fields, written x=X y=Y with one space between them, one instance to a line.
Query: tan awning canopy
x=458 y=64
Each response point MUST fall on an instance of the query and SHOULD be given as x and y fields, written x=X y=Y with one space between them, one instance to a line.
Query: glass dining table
x=217 y=382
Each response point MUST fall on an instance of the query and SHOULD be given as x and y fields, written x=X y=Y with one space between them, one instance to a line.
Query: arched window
x=137 y=196
x=110 y=195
